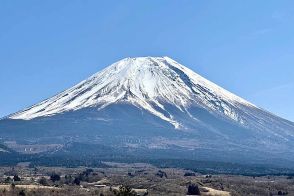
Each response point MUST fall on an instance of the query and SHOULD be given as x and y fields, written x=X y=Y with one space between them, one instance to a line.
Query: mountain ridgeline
x=150 y=108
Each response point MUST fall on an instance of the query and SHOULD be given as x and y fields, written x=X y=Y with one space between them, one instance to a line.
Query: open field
x=144 y=179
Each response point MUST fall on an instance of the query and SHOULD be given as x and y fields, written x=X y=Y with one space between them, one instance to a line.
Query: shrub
x=88 y=171
x=193 y=190
x=16 y=178
x=7 y=180
x=68 y=179
x=43 y=181
x=125 y=191
x=161 y=174
x=77 y=181
x=22 y=193
x=282 y=193
x=55 y=177
x=130 y=174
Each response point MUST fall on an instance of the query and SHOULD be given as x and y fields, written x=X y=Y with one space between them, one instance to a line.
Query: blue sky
x=246 y=47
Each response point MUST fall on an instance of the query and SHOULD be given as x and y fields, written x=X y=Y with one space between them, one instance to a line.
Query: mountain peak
x=150 y=83
x=138 y=62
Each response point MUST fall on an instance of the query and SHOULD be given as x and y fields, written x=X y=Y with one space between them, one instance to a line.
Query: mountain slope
x=153 y=103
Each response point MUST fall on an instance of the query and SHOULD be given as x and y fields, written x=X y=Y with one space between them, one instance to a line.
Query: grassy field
x=142 y=178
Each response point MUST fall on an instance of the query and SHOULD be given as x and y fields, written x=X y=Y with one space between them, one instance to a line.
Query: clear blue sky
x=246 y=47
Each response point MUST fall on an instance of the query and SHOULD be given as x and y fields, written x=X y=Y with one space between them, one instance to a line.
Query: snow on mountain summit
x=146 y=82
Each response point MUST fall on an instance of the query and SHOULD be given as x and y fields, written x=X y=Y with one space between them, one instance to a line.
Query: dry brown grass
x=142 y=176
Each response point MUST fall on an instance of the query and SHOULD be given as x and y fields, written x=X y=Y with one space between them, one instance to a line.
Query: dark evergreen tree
x=193 y=190
x=16 y=178
x=55 y=177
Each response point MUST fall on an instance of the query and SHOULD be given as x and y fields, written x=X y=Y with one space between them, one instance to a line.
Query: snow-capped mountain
x=159 y=94
x=149 y=83
x=145 y=82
